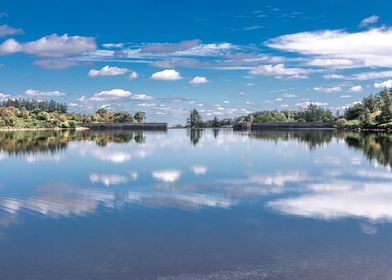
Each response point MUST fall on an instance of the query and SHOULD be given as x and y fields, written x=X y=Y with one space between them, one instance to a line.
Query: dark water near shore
x=212 y=204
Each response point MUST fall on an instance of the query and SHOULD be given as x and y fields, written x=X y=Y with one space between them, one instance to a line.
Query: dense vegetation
x=51 y=141
x=24 y=113
x=374 y=112
x=312 y=113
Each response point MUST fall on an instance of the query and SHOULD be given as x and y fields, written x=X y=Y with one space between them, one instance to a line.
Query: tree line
x=32 y=104
x=374 y=111
x=313 y=113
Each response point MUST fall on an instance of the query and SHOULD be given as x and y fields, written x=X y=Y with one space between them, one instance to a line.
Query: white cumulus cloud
x=372 y=75
x=57 y=46
x=198 y=80
x=279 y=70
x=328 y=89
x=372 y=48
x=334 y=77
x=10 y=46
x=108 y=71
x=51 y=46
x=114 y=95
x=113 y=46
x=355 y=89
x=167 y=75
x=385 y=84
x=133 y=75
x=333 y=62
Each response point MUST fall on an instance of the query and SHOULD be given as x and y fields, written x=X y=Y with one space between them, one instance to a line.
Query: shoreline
x=42 y=129
x=171 y=128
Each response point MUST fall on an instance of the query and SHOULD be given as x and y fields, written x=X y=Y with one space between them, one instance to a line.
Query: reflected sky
x=218 y=182
x=315 y=174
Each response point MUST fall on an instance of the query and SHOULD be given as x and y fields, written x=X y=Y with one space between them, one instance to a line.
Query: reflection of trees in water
x=139 y=138
x=313 y=138
x=102 y=138
x=23 y=142
x=376 y=146
x=215 y=132
x=26 y=142
x=195 y=135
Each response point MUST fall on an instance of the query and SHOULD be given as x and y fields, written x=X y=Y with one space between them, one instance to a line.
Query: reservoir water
x=195 y=204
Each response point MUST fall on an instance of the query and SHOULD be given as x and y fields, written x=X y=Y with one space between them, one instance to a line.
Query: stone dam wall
x=286 y=125
x=127 y=126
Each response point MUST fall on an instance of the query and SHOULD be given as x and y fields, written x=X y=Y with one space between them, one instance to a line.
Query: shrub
x=42 y=116
x=19 y=113
x=65 y=125
x=56 y=123
x=62 y=118
x=7 y=112
x=340 y=123
x=36 y=111
x=353 y=124
x=93 y=118
x=10 y=121
x=72 y=124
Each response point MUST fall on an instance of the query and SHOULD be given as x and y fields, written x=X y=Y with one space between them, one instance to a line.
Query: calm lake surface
x=212 y=204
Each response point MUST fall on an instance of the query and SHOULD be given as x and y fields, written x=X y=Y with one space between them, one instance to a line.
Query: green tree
x=195 y=120
x=371 y=103
x=315 y=113
x=42 y=116
x=366 y=118
x=101 y=112
x=215 y=122
x=355 y=111
x=386 y=107
x=140 y=117
x=250 y=118
x=122 y=117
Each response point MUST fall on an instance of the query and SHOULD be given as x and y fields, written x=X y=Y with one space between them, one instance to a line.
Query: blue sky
x=223 y=58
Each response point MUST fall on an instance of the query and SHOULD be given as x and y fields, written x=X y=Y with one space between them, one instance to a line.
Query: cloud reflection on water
x=199 y=169
x=325 y=181
x=368 y=196
x=62 y=200
x=341 y=199
x=108 y=180
x=169 y=176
